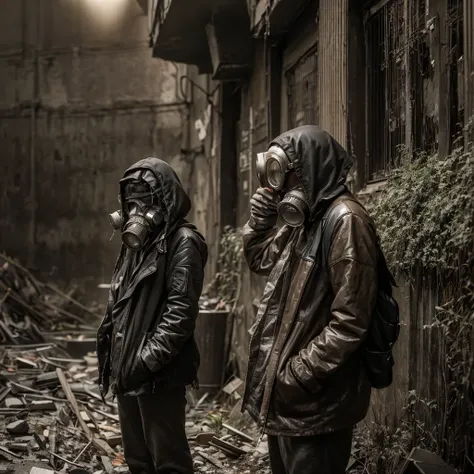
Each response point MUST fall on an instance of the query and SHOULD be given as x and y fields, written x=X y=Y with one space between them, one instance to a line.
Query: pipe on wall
x=33 y=132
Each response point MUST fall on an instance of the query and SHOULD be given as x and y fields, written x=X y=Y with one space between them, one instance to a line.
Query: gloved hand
x=263 y=209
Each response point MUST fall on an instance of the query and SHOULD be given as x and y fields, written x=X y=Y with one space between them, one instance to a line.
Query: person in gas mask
x=305 y=385
x=145 y=344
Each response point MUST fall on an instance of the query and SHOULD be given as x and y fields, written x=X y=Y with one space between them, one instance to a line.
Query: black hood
x=321 y=164
x=165 y=183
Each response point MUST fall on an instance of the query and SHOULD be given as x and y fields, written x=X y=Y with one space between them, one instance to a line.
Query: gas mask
x=273 y=167
x=139 y=218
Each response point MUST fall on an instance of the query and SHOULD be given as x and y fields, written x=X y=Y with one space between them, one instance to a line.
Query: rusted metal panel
x=333 y=37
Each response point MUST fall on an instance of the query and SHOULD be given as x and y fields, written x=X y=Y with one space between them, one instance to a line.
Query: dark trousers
x=321 y=454
x=153 y=433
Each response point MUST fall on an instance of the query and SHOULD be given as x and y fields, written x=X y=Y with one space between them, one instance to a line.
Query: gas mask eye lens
x=275 y=173
x=261 y=170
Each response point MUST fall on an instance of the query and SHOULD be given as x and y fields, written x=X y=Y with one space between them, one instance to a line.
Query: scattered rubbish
x=29 y=309
x=51 y=413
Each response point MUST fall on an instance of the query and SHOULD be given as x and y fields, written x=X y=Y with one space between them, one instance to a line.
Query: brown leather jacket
x=305 y=374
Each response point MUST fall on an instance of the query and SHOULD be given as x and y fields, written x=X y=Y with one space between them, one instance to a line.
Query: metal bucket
x=210 y=334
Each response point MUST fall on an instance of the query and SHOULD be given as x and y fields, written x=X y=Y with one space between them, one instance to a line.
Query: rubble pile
x=52 y=419
x=26 y=305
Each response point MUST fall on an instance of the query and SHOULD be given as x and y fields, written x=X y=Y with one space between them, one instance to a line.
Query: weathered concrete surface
x=81 y=99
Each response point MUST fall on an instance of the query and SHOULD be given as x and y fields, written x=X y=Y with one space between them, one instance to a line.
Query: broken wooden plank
x=100 y=444
x=4 y=393
x=42 y=405
x=226 y=447
x=110 y=416
x=47 y=380
x=25 y=363
x=19 y=427
x=235 y=431
x=39 y=470
x=232 y=386
x=83 y=450
x=109 y=469
x=4 y=450
x=211 y=459
x=72 y=300
x=12 y=402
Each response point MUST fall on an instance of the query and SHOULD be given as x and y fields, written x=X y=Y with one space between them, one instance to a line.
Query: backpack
x=385 y=325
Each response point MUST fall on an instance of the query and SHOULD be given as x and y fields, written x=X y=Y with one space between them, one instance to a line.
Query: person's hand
x=263 y=208
x=139 y=374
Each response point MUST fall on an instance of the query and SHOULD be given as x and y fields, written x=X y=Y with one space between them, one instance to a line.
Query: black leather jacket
x=147 y=335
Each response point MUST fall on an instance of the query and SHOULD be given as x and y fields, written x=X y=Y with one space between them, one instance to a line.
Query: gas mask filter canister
x=293 y=209
x=138 y=227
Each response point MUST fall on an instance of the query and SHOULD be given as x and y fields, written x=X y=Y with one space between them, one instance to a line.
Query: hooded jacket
x=146 y=338
x=305 y=374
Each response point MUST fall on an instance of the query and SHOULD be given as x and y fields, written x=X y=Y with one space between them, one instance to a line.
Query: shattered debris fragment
x=19 y=427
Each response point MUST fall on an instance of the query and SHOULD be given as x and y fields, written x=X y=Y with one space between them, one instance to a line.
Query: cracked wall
x=79 y=103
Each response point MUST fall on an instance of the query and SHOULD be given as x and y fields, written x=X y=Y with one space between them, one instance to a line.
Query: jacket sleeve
x=184 y=282
x=353 y=277
x=262 y=248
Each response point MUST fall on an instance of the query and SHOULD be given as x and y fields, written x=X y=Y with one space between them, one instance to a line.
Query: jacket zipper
x=128 y=293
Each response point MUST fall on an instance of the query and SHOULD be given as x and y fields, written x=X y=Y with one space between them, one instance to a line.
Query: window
x=384 y=39
x=302 y=90
x=456 y=66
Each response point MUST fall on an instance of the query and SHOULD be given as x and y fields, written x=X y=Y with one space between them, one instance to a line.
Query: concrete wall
x=81 y=99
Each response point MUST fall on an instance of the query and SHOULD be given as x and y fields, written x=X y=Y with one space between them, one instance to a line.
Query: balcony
x=282 y=14
x=214 y=35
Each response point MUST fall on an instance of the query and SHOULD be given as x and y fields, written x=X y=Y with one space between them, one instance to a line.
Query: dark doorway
x=231 y=103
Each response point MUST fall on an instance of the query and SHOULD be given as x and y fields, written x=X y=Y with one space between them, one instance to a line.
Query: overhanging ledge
x=211 y=34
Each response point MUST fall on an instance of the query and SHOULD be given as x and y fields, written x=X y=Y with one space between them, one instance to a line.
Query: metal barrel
x=210 y=334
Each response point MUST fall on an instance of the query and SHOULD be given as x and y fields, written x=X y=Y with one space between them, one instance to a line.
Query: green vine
x=225 y=286
x=425 y=215
x=425 y=219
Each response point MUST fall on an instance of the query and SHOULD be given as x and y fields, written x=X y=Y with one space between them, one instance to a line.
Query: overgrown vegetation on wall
x=425 y=219
x=225 y=286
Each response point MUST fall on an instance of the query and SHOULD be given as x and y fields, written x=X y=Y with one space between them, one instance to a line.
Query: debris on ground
x=29 y=309
x=52 y=418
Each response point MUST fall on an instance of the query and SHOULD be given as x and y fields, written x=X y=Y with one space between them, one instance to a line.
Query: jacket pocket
x=292 y=398
x=135 y=371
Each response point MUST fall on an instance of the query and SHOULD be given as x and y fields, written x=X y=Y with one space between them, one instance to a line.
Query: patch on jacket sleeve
x=179 y=280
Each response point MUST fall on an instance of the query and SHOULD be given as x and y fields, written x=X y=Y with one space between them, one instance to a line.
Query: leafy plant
x=380 y=449
x=425 y=219
x=225 y=285
x=425 y=215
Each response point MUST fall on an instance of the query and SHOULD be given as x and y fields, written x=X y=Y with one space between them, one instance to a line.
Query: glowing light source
x=107 y=12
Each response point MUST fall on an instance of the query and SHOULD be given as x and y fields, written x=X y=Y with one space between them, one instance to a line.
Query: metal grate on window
x=424 y=121
x=456 y=66
x=385 y=43
x=302 y=81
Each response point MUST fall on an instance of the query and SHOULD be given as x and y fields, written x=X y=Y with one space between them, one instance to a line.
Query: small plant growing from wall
x=223 y=290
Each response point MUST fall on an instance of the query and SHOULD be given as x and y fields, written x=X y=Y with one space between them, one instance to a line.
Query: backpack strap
x=325 y=229
x=338 y=211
